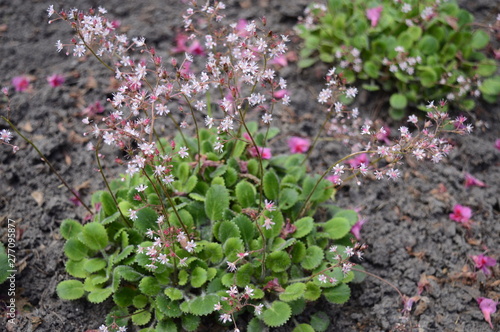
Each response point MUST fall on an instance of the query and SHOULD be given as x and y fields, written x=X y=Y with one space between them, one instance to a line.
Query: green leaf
x=190 y=322
x=94 y=236
x=371 y=69
x=94 y=265
x=75 y=250
x=255 y=325
x=314 y=257
x=278 y=314
x=428 y=45
x=173 y=293
x=320 y=321
x=146 y=219
x=167 y=306
x=245 y=194
x=313 y=291
x=338 y=294
x=337 y=227
x=124 y=254
x=232 y=247
x=128 y=273
x=100 y=295
x=428 y=76
x=398 y=101
x=198 y=277
x=271 y=185
x=141 y=317
x=166 y=326
x=70 y=228
x=111 y=218
x=74 y=268
x=293 y=292
x=123 y=296
x=298 y=252
x=288 y=197
x=305 y=63
x=278 y=261
x=303 y=328
x=108 y=204
x=216 y=201
x=397 y=114
x=226 y=230
x=243 y=275
x=247 y=228
x=140 y=301
x=480 y=39
x=70 y=289
x=358 y=275
x=350 y=215
x=213 y=252
x=149 y=286
x=304 y=227
x=486 y=67
x=203 y=305
x=491 y=86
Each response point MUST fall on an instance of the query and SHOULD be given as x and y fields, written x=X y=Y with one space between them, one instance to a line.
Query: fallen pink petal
x=488 y=307
x=55 y=80
x=471 y=181
x=461 y=214
x=497 y=144
x=483 y=263
x=298 y=144
x=356 y=229
x=21 y=83
x=373 y=14
x=265 y=153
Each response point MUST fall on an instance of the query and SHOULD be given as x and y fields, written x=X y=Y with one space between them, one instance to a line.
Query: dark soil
x=408 y=231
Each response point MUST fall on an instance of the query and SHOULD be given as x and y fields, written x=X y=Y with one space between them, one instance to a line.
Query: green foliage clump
x=223 y=239
x=418 y=51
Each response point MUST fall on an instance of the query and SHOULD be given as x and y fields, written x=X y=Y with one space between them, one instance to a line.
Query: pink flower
x=488 y=307
x=280 y=61
x=55 y=80
x=335 y=179
x=298 y=144
x=21 y=83
x=265 y=153
x=497 y=144
x=358 y=160
x=280 y=94
x=483 y=262
x=461 y=214
x=356 y=229
x=472 y=181
x=373 y=14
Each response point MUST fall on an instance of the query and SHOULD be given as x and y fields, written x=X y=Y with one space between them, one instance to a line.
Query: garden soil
x=409 y=234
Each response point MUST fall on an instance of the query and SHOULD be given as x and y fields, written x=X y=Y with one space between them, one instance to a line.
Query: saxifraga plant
x=416 y=50
x=212 y=224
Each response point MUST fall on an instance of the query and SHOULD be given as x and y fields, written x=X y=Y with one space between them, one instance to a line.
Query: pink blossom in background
x=55 y=80
x=383 y=135
x=195 y=48
x=356 y=229
x=280 y=93
x=279 y=60
x=358 y=160
x=298 y=144
x=488 y=307
x=21 y=83
x=483 y=263
x=497 y=144
x=335 y=179
x=265 y=153
x=461 y=214
x=373 y=14
x=241 y=28
x=472 y=181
